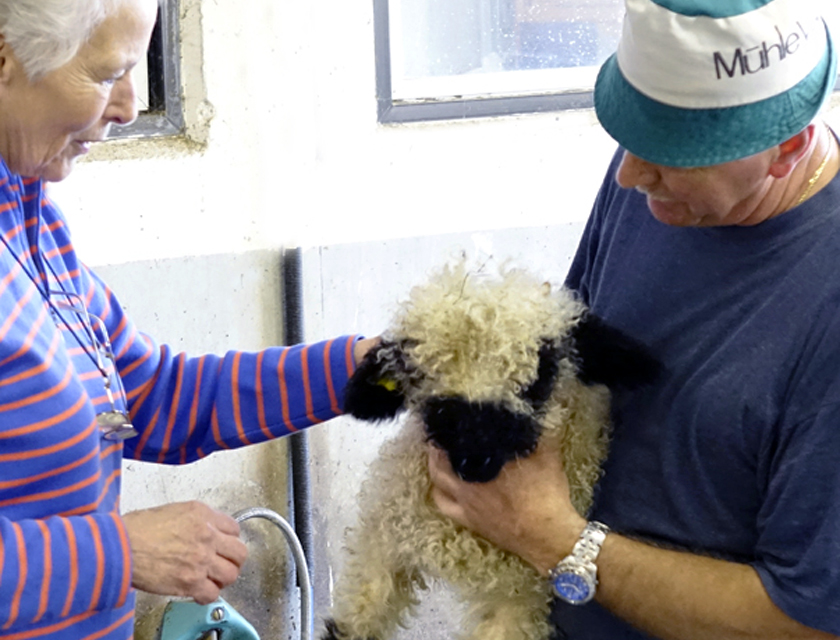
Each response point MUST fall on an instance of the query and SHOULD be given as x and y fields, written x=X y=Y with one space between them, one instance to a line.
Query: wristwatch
x=575 y=577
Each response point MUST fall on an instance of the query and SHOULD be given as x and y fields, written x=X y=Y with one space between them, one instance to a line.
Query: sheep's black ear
x=540 y=390
x=608 y=356
x=371 y=393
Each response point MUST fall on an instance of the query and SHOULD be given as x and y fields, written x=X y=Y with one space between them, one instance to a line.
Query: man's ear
x=608 y=356
x=373 y=393
x=791 y=152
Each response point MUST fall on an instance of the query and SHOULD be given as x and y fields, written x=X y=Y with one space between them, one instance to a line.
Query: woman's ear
x=10 y=67
x=373 y=393
x=5 y=60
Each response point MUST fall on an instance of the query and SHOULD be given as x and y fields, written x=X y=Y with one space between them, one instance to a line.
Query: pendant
x=115 y=425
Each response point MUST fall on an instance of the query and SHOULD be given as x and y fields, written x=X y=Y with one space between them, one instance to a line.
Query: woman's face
x=47 y=124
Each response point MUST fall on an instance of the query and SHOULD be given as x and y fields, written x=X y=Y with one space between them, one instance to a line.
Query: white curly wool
x=477 y=337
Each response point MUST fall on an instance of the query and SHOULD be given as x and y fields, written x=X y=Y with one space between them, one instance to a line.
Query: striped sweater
x=65 y=564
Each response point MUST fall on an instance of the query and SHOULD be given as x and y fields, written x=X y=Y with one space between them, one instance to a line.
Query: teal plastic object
x=186 y=620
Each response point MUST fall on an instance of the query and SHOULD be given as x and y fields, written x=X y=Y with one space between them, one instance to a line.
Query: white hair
x=46 y=34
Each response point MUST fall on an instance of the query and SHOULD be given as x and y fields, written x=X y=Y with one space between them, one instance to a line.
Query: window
x=445 y=59
x=441 y=59
x=158 y=81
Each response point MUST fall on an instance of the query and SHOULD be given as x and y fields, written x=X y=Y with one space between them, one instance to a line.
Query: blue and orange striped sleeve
x=187 y=407
x=59 y=570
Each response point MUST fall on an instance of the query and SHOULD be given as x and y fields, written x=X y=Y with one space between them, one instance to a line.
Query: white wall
x=207 y=304
x=294 y=154
x=281 y=101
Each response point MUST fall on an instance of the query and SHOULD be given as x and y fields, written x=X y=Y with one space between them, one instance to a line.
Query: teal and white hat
x=701 y=82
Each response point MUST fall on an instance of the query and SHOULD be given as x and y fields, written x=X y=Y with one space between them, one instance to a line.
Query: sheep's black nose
x=477 y=469
x=479 y=438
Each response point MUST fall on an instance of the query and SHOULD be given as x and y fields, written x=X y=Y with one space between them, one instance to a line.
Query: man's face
x=733 y=193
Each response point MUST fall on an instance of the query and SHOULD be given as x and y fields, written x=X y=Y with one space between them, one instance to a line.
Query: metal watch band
x=575 y=578
x=589 y=544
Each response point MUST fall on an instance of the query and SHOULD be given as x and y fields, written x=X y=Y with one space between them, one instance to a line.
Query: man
x=714 y=240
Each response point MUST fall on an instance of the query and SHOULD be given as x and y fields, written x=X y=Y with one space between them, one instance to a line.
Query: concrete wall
x=206 y=304
x=285 y=149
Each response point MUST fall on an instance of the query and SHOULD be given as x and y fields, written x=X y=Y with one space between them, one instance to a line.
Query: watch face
x=573 y=587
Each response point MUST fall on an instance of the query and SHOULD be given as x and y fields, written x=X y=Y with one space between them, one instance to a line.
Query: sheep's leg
x=377 y=586
x=502 y=617
x=371 y=598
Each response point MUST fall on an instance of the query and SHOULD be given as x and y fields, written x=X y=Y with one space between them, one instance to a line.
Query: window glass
x=140 y=75
x=455 y=49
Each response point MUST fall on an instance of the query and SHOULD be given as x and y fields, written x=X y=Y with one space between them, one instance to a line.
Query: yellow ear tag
x=390 y=385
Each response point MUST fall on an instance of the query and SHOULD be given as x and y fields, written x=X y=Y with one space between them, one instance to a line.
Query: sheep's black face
x=479 y=438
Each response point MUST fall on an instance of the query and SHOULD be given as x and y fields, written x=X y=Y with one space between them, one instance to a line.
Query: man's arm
x=677 y=595
x=668 y=594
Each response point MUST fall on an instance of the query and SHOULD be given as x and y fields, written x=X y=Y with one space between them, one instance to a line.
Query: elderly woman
x=79 y=386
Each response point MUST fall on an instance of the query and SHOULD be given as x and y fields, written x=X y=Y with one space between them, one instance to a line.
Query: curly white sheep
x=485 y=366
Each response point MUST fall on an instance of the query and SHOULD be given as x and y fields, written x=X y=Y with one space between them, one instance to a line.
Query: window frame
x=390 y=111
x=165 y=116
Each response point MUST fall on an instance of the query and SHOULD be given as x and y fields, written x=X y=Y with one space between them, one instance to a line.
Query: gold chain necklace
x=819 y=171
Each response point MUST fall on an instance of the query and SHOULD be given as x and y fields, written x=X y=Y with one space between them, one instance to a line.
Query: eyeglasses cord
x=39 y=262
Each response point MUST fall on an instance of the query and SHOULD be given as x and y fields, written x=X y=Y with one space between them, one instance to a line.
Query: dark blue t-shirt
x=735 y=453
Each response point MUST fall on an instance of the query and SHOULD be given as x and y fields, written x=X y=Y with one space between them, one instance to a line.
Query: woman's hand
x=362 y=346
x=184 y=549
